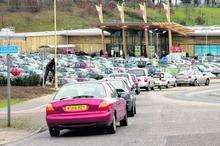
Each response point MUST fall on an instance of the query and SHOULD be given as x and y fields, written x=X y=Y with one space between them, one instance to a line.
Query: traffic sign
x=9 y=49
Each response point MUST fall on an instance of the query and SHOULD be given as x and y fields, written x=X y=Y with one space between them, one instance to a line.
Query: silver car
x=144 y=80
x=164 y=79
x=192 y=77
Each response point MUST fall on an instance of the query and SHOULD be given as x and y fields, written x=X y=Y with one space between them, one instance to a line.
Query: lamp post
x=55 y=38
x=151 y=42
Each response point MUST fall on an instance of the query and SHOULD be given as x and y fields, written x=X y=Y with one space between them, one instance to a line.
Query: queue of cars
x=104 y=102
x=101 y=92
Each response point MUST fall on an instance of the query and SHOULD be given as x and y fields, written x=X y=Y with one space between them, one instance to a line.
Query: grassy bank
x=20 y=92
x=3 y=103
x=75 y=17
x=27 y=122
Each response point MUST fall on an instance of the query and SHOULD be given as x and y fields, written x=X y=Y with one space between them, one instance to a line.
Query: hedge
x=32 y=80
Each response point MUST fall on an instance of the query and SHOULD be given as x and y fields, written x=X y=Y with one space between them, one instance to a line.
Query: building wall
x=83 y=43
x=88 y=43
x=188 y=43
x=32 y=44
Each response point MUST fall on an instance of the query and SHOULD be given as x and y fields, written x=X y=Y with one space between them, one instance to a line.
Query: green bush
x=32 y=80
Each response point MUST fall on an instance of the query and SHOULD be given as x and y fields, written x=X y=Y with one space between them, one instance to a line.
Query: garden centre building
x=136 y=39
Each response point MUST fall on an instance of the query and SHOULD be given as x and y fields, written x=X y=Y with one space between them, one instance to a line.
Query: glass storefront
x=135 y=43
x=201 y=50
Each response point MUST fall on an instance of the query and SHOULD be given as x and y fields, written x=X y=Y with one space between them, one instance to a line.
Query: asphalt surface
x=183 y=116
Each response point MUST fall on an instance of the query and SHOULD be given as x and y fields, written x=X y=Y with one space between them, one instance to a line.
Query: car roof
x=136 y=68
x=116 y=79
x=85 y=82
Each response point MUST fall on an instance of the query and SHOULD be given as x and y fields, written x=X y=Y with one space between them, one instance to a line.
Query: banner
x=100 y=12
x=143 y=12
x=167 y=11
x=121 y=10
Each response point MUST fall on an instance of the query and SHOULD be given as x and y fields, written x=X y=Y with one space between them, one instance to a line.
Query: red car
x=86 y=104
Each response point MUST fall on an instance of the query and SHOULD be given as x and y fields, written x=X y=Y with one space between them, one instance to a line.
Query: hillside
x=75 y=17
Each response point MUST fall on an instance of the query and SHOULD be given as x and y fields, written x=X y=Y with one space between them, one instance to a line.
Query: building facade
x=202 y=40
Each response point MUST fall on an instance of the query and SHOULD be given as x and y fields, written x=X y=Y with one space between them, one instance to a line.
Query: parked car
x=164 y=79
x=205 y=71
x=144 y=80
x=124 y=92
x=192 y=77
x=126 y=75
x=135 y=80
x=86 y=104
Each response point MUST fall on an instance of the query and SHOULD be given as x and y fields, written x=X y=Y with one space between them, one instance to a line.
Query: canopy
x=174 y=27
x=58 y=46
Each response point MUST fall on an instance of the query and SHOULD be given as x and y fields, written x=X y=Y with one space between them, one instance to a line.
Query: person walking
x=50 y=68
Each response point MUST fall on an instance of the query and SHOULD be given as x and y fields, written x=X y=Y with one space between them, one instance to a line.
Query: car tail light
x=145 y=79
x=189 y=77
x=104 y=106
x=50 y=109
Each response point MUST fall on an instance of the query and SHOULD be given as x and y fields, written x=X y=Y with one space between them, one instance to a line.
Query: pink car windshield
x=81 y=90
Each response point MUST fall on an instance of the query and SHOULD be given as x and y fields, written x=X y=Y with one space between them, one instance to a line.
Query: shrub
x=32 y=80
x=199 y=20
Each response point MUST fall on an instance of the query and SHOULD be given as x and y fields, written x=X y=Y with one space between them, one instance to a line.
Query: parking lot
x=161 y=119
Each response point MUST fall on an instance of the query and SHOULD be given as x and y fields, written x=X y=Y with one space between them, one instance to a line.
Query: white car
x=164 y=79
x=125 y=75
x=144 y=80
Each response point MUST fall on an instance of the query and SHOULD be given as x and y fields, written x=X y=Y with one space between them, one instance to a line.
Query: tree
x=13 y=4
x=33 y=5
x=187 y=10
x=199 y=20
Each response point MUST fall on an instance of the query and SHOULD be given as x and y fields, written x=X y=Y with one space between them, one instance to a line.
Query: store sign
x=151 y=50
x=137 y=51
x=9 y=49
x=177 y=49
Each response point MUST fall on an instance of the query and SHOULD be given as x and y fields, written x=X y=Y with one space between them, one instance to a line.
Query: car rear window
x=159 y=75
x=119 y=75
x=84 y=89
x=138 y=73
x=118 y=84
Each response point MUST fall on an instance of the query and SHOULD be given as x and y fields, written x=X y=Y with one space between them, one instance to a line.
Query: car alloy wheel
x=175 y=84
x=124 y=121
x=195 y=83
x=112 y=128
x=135 y=110
x=207 y=82
x=131 y=113
x=152 y=88
x=147 y=88
x=54 y=132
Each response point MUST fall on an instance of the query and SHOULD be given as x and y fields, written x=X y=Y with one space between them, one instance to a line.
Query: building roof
x=174 y=27
x=85 y=32
x=205 y=31
x=75 y=32
x=58 y=46
x=177 y=28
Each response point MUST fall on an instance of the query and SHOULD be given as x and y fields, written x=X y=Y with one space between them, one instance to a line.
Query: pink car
x=86 y=104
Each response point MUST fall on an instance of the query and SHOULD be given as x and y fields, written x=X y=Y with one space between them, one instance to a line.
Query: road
x=183 y=116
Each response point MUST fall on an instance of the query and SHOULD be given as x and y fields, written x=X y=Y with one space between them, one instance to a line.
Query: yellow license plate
x=76 y=108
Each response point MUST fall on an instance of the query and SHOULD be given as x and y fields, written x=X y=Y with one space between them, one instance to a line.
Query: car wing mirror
x=123 y=95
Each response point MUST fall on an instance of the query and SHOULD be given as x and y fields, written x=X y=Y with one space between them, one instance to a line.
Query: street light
x=151 y=42
x=55 y=37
